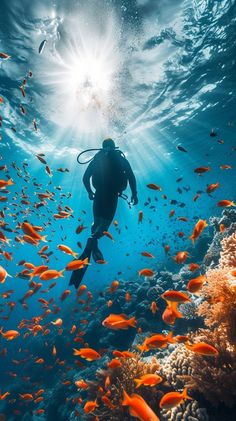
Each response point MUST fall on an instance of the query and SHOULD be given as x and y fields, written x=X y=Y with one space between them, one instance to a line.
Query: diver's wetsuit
x=107 y=188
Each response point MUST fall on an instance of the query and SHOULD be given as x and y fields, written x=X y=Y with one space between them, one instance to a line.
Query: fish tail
x=170 y=338
x=43 y=238
x=188 y=346
x=132 y=322
x=138 y=383
x=185 y=394
x=192 y=238
x=74 y=254
x=61 y=273
x=126 y=399
x=10 y=182
x=143 y=347
x=176 y=312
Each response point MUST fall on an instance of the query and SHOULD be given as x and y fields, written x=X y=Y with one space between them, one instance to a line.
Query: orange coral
x=219 y=305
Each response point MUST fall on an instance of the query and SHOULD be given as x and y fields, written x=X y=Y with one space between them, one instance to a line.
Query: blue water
x=154 y=75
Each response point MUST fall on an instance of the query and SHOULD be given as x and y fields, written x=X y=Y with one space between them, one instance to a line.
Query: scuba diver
x=110 y=172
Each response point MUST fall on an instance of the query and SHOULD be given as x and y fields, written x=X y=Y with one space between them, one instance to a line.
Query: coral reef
x=228 y=219
x=228 y=253
x=120 y=379
x=187 y=411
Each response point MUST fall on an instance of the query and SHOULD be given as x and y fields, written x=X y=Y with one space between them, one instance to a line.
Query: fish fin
x=43 y=238
x=132 y=322
x=126 y=399
x=170 y=338
x=138 y=383
x=176 y=312
x=143 y=347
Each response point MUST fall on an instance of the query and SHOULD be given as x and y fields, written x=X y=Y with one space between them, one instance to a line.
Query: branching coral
x=214 y=377
x=219 y=305
x=120 y=379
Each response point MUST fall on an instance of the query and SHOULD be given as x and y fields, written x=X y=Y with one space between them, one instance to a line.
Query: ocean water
x=158 y=77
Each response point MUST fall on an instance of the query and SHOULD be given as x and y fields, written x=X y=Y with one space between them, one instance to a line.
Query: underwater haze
x=159 y=78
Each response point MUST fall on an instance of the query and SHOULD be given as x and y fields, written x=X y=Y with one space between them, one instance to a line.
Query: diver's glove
x=134 y=199
x=91 y=195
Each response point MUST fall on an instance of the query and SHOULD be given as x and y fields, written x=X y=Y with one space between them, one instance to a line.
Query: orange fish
x=222 y=228
x=88 y=354
x=90 y=406
x=67 y=250
x=175 y=296
x=114 y=286
x=146 y=272
x=54 y=351
x=81 y=384
x=4 y=56
x=225 y=203
x=193 y=267
x=26 y=396
x=4 y=183
x=127 y=297
x=148 y=380
x=65 y=294
x=10 y=334
x=181 y=339
x=81 y=289
x=202 y=348
x=153 y=307
x=3 y=275
x=57 y=322
x=108 y=402
x=147 y=254
x=156 y=341
x=109 y=303
x=107 y=234
x=140 y=217
x=195 y=284
x=199 y=227
x=139 y=408
x=182 y=218
x=166 y=248
x=119 y=321
x=29 y=230
x=153 y=186
x=201 y=170
x=77 y=264
x=181 y=257
x=172 y=399
x=49 y=274
x=114 y=363
x=212 y=187
x=196 y=197
x=171 y=313
x=225 y=167
x=4 y=396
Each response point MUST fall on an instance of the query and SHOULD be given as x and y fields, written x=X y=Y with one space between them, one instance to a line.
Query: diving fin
x=96 y=252
x=78 y=274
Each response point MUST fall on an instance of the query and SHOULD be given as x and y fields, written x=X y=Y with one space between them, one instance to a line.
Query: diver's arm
x=132 y=183
x=86 y=179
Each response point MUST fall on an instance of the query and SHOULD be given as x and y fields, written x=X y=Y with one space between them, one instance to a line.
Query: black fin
x=77 y=275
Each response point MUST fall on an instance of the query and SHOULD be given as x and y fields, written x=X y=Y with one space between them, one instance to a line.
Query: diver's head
x=108 y=145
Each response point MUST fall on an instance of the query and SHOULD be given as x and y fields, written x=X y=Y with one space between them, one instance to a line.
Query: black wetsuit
x=110 y=172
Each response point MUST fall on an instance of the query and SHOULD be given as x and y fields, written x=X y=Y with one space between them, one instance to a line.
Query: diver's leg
x=107 y=209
